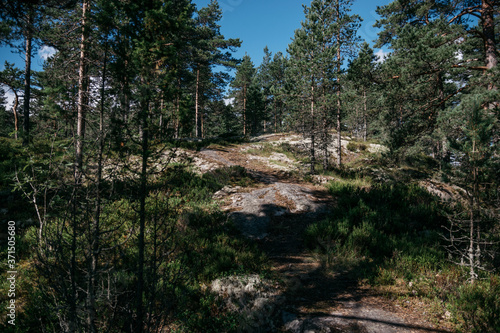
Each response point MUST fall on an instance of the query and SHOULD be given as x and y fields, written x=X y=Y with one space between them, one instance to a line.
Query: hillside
x=312 y=295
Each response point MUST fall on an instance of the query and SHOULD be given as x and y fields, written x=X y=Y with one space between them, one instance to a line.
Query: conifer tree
x=21 y=23
x=317 y=52
x=435 y=47
x=311 y=53
x=440 y=86
x=12 y=78
x=210 y=49
x=264 y=81
x=243 y=79
x=156 y=34
x=277 y=73
x=360 y=74
x=345 y=29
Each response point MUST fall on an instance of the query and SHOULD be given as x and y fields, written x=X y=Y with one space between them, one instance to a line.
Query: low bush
x=356 y=146
x=377 y=221
x=478 y=306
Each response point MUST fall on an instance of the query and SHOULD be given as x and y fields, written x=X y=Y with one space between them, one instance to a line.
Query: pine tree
x=277 y=73
x=264 y=81
x=21 y=25
x=210 y=49
x=12 y=78
x=345 y=29
x=470 y=129
x=360 y=74
x=435 y=46
x=440 y=91
x=317 y=53
x=243 y=79
x=156 y=35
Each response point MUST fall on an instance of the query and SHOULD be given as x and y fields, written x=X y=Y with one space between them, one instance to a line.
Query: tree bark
x=365 y=116
x=339 y=105
x=312 y=151
x=275 y=118
x=197 y=107
x=139 y=324
x=82 y=91
x=14 y=110
x=244 y=110
x=27 y=78
x=176 y=117
x=488 y=23
x=202 y=119
x=96 y=226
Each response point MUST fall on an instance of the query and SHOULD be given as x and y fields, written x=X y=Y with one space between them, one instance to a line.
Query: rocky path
x=275 y=214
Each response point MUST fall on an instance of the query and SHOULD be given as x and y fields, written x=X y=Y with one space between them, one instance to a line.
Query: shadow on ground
x=316 y=300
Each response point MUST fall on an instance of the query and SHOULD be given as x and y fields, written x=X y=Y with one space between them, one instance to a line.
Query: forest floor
x=275 y=212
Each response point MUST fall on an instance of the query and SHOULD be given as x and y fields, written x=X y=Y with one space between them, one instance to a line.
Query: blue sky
x=256 y=22
x=272 y=22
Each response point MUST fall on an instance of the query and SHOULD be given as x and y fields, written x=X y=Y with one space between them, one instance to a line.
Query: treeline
x=442 y=55
x=103 y=51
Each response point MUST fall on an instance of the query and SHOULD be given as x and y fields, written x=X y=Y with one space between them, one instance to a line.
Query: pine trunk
x=177 y=116
x=326 y=162
x=488 y=23
x=275 y=118
x=312 y=151
x=14 y=110
x=139 y=324
x=365 y=116
x=27 y=79
x=96 y=227
x=339 y=127
x=244 y=110
x=82 y=92
x=202 y=125
x=197 y=107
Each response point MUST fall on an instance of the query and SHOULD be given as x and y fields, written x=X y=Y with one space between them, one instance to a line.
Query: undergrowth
x=185 y=230
x=267 y=149
x=390 y=234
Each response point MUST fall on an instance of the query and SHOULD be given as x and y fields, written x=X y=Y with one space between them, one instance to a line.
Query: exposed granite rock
x=257 y=300
x=253 y=210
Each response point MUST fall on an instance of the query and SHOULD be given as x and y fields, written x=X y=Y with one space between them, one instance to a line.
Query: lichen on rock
x=255 y=299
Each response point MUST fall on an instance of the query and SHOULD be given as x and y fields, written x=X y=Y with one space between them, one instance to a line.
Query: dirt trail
x=275 y=215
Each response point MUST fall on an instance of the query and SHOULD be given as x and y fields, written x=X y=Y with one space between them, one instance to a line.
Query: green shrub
x=356 y=146
x=377 y=221
x=10 y=152
x=478 y=306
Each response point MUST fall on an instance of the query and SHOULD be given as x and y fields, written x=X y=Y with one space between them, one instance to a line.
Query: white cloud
x=381 y=55
x=229 y=101
x=46 y=52
x=9 y=95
